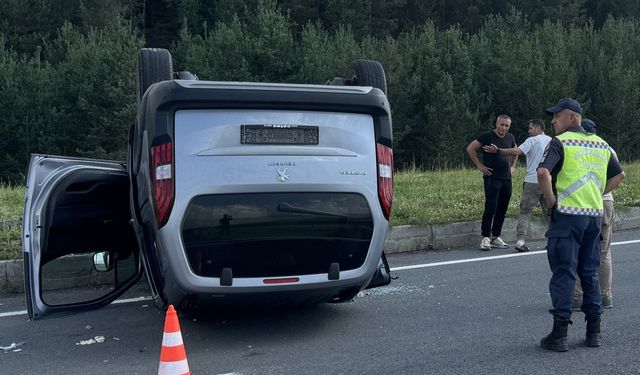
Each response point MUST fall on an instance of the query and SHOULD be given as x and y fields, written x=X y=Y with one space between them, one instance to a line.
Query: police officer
x=576 y=169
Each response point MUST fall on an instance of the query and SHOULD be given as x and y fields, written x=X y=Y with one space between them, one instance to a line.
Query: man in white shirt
x=533 y=148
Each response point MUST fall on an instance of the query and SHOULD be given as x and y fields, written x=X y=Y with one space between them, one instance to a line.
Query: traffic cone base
x=177 y=368
x=173 y=359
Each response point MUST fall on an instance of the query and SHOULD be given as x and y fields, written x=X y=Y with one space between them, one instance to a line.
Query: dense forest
x=68 y=84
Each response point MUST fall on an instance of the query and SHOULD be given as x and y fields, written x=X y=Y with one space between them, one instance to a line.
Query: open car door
x=80 y=251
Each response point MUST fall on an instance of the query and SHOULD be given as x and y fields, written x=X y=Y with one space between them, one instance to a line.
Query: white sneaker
x=499 y=243
x=485 y=244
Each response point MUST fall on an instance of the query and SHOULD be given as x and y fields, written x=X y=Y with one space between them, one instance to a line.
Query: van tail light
x=385 y=178
x=162 y=180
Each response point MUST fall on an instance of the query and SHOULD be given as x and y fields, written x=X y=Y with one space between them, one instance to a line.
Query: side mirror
x=102 y=261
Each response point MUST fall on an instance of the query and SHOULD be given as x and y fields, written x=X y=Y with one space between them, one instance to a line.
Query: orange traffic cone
x=173 y=359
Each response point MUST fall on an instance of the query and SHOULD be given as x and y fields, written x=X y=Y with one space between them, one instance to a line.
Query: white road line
x=417 y=266
x=13 y=313
x=130 y=300
x=624 y=242
x=403 y=268
x=124 y=300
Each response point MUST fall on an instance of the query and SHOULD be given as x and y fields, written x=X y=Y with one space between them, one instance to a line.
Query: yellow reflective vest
x=583 y=176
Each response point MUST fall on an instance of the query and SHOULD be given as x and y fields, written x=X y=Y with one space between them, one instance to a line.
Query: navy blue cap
x=588 y=125
x=566 y=103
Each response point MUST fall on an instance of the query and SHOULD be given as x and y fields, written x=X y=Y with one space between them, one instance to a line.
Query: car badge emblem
x=282 y=174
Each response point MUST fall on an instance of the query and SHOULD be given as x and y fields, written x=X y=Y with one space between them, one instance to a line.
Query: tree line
x=69 y=86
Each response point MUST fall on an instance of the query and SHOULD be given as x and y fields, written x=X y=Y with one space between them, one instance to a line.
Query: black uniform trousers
x=573 y=246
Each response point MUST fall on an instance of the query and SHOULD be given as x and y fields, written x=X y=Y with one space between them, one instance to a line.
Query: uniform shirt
x=533 y=148
x=500 y=163
x=553 y=158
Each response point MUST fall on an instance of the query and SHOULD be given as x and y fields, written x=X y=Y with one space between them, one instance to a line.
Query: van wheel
x=154 y=65
x=368 y=73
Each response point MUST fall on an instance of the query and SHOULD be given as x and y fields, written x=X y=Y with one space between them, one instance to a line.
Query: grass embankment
x=421 y=197
x=437 y=197
x=11 y=209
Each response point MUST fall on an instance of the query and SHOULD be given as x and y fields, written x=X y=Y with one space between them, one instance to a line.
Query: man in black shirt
x=496 y=171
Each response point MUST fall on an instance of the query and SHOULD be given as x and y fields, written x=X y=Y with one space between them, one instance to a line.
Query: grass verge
x=11 y=209
x=420 y=197
x=439 y=197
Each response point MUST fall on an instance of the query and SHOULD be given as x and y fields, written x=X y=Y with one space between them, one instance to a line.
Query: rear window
x=276 y=234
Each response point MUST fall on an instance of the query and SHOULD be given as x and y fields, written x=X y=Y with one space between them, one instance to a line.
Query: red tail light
x=162 y=180
x=385 y=178
x=283 y=280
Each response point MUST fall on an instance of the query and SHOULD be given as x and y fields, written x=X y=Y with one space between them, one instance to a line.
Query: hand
x=551 y=204
x=513 y=170
x=486 y=171
x=491 y=149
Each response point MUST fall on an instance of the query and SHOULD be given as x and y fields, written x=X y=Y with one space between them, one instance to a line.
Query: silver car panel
x=343 y=161
x=44 y=175
x=225 y=85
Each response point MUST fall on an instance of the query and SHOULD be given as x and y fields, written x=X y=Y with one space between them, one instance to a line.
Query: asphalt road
x=449 y=312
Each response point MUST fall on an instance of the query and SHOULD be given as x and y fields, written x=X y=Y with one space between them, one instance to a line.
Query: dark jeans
x=573 y=247
x=497 y=193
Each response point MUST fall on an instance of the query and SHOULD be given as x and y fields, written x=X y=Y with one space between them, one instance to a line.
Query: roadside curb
x=403 y=238
x=11 y=276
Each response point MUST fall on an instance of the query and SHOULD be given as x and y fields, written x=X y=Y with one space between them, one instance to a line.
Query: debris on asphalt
x=12 y=348
x=394 y=289
x=95 y=340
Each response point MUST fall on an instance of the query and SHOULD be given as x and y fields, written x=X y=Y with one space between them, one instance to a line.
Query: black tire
x=368 y=73
x=154 y=65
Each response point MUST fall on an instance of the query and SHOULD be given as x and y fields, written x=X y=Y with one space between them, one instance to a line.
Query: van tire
x=154 y=65
x=368 y=73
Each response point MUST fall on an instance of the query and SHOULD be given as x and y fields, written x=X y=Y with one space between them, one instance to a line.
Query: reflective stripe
x=585 y=143
x=580 y=211
x=171 y=339
x=174 y=368
x=580 y=183
x=172 y=353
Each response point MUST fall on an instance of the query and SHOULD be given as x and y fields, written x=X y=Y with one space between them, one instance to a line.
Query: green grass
x=437 y=197
x=11 y=207
x=420 y=198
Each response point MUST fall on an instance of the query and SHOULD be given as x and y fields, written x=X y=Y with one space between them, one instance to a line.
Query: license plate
x=275 y=134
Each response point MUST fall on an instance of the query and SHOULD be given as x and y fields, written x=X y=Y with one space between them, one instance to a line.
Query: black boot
x=593 y=338
x=557 y=339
